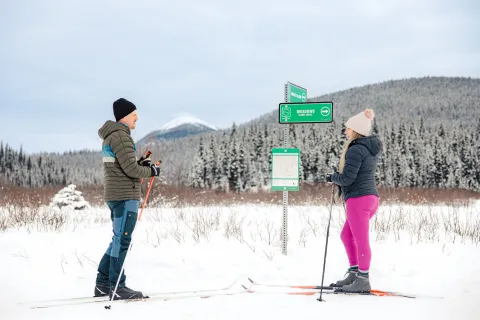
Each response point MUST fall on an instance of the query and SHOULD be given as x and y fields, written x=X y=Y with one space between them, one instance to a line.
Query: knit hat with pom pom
x=362 y=122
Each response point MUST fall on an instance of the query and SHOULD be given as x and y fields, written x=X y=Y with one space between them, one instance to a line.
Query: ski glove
x=328 y=177
x=155 y=169
x=145 y=160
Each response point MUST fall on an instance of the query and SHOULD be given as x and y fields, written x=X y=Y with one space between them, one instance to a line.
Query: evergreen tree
x=2 y=158
x=212 y=175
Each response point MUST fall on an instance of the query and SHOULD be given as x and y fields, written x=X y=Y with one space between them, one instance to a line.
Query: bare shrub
x=155 y=215
x=80 y=258
x=456 y=229
x=52 y=220
x=382 y=225
x=338 y=220
x=462 y=227
x=302 y=239
x=269 y=253
x=153 y=238
x=426 y=222
x=90 y=261
x=180 y=214
x=4 y=221
x=311 y=224
x=432 y=224
x=267 y=231
x=252 y=244
x=62 y=262
x=176 y=230
x=21 y=216
x=21 y=254
x=475 y=230
x=447 y=220
x=420 y=222
x=41 y=219
x=233 y=227
x=204 y=223
x=399 y=222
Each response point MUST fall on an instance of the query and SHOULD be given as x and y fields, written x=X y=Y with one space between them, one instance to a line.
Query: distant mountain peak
x=185 y=119
x=181 y=126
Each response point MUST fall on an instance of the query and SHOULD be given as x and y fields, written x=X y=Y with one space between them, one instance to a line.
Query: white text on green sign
x=296 y=93
x=308 y=112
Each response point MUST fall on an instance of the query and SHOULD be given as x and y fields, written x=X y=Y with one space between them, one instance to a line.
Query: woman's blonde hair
x=355 y=135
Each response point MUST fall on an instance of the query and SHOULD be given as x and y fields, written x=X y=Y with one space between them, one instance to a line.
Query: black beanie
x=122 y=107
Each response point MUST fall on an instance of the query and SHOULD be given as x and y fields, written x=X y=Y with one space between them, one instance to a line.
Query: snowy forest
x=49 y=169
x=430 y=128
x=413 y=156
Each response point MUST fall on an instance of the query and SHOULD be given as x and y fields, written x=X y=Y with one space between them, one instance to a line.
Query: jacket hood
x=111 y=126
x=372 y=143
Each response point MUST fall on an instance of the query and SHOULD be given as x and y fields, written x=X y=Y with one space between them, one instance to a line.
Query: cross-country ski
x=254 y=287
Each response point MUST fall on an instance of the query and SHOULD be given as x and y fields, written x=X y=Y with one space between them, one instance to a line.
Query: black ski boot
x=125 y=293
x=101 y=290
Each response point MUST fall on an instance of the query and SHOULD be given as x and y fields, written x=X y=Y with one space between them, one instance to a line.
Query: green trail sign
x=307 y=112
x=295 y=93
x=285 y=173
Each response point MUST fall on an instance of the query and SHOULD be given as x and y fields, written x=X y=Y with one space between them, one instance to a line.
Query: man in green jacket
x=122 y=191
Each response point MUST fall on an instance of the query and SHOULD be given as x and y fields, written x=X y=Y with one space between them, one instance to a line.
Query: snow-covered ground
x=429 y=250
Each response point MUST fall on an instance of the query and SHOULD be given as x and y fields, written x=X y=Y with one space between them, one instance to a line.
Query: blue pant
x=124 y=214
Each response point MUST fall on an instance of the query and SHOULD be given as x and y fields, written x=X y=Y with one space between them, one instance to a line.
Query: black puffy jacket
x=358 y=176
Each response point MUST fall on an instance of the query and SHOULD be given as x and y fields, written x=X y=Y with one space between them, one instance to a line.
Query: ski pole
x=146 y=197
x=326 y=244
x=131 y=241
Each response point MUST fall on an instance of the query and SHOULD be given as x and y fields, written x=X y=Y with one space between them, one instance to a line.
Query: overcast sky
x=63 y=63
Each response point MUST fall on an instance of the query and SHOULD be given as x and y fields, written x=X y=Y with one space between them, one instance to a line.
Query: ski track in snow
x=39 y=265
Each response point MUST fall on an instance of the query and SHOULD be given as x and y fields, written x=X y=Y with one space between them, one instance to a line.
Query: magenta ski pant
x=355 y=232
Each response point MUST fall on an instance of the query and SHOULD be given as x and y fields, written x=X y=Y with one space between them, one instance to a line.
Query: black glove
x=155 y=169
x=328 y=177
x=145 y=159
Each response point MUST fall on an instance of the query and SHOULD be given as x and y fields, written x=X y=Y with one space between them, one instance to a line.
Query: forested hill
x=448 y=100
x=430 y=127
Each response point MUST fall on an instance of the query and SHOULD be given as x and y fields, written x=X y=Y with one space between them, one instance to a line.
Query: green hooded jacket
x=122 y=173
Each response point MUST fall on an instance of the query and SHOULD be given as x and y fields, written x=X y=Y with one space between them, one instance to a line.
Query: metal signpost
x=285 y=175
x=293 y=93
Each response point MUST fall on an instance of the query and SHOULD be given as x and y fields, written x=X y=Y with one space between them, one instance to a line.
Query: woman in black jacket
x=356 y=178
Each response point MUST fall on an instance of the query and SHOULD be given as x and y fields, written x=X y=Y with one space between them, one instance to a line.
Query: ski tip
x=249 y=279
